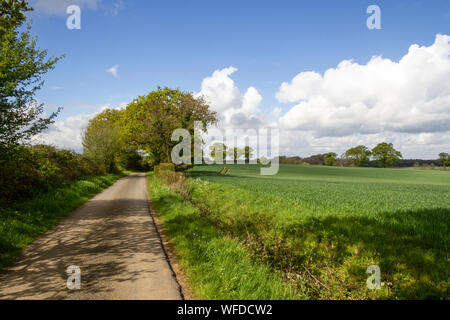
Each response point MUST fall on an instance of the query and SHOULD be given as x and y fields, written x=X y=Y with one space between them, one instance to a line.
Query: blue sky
x=179 y=43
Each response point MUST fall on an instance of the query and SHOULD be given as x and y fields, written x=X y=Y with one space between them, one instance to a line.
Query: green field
x=319 y=228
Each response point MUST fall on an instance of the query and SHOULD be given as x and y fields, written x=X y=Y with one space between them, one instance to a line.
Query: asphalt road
x=111 y=239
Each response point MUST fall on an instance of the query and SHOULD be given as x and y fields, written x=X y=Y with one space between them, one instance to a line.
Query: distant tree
x=385 y=154
x=248 y=153
x=443 y=158
x=330 y=158
x=218 y=152
x=358 y=155
x=22 y=65
x=236 y=153
x=317 y=159
x=101 y=139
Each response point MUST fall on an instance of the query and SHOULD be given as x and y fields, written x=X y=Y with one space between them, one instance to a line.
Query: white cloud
x=114 y=71
x=234 y=108
x=409 y=96
x=405 y=102
x=60 y=6
x=67 y=133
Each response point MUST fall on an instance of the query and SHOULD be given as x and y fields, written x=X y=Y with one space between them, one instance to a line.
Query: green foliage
x=24 y=221
x=386 y=154
x=321 y=227
x=330 y=158
x=218 y=152
x=101 y=141
x=12 y=14
x=248 y=153
x=131 y=159
x=22 y=65
x=24 y=170
x=444 y=159
x=236 y=153
x=358 y=155
x=149 y=121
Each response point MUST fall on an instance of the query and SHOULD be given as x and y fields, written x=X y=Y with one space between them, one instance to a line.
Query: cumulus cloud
x=412 y=95
x=234 y=108
x=67 y=133
x=114 y=71
x=60 y=6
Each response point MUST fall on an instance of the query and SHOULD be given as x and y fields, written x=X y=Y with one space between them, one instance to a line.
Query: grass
x=23 y=222
x=216 y=265
x=319 y=228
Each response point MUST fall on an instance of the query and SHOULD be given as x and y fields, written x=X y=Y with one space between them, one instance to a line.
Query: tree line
x=143 y=131
x=382 y=155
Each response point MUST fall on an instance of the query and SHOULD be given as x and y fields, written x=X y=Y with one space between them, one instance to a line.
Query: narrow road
x=114 y=242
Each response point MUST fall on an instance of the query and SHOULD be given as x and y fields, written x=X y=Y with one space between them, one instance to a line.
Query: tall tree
x=149 y=121
x=235 y=153
x=101 y=139
x=218 y=152
x=22 y=65
x=358 y=155
x=386 y=154
x=248 y=152
x=330 y=158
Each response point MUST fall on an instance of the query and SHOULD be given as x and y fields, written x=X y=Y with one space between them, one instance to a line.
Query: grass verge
x=216 y=265
x=23 y=222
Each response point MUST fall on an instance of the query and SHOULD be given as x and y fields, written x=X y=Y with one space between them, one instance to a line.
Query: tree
x=317 y=159
x=149 y=121
x=443 y=158
x=248 y=153
x=386 y=154
x=330 y=158
x=358 y=155
x=101 y=142
x=218 y=152
x=22 y=65
x=236 y=153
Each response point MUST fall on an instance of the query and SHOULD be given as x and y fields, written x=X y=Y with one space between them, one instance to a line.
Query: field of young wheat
x=319 y=228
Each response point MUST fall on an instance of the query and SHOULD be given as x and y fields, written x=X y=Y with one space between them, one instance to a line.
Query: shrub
x=175 y=180
x=25 y=170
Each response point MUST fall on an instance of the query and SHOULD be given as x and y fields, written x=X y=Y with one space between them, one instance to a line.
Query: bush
x=25 y=170
x=175 y=180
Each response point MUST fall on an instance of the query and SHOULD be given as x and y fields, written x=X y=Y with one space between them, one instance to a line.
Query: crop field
x=319 y=228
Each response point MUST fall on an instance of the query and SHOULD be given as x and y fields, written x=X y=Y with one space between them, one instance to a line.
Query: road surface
x=114 y=242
